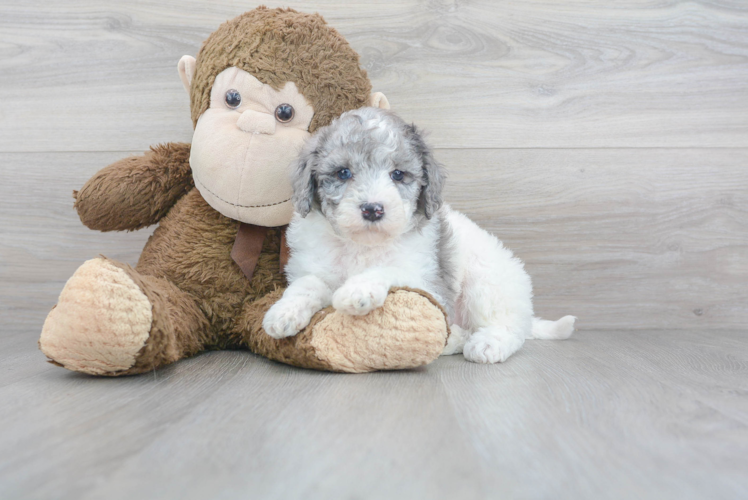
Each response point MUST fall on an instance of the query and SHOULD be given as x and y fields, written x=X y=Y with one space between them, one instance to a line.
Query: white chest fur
x=316 y=249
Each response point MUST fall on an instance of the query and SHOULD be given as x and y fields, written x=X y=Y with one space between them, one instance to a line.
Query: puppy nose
x=372 y=211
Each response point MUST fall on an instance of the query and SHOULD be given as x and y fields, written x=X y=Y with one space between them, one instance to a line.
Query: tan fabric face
x=256 y=122
x=100 y=323
x=241 y=158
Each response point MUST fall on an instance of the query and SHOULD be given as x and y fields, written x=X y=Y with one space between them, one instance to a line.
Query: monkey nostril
x=372 y=211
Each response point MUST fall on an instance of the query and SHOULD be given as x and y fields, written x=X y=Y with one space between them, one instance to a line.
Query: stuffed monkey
x=261 y=84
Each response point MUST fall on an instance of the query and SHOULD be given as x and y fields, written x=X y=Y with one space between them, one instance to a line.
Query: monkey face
x=244 y=145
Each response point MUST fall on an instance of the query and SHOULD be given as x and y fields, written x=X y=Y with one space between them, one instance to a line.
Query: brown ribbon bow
x=248 y=246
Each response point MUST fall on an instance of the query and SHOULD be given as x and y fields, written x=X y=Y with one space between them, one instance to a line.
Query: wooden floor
x=605 y=142
x=617 y=414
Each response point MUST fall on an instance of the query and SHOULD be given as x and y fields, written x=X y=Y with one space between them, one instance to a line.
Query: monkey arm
x=137 y=191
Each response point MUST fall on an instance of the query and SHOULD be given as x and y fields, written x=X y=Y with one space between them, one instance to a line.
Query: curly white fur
x=339 y=258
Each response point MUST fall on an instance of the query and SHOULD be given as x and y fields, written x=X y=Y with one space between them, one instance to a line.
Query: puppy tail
x=552 y=330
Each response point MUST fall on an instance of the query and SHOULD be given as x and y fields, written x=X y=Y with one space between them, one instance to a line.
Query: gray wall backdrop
x=605 y=142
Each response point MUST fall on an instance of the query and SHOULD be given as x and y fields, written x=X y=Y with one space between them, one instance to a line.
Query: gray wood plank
x=642 y=425
x=645 y=238
x=621 y=238
x=606 y=415
x=603 y=142
x=42 y=241
x=101 y=76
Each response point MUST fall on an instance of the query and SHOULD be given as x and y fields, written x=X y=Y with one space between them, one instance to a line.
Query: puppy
x=367 y=192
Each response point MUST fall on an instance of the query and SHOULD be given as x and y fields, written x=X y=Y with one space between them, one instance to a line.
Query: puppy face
x=370 y=174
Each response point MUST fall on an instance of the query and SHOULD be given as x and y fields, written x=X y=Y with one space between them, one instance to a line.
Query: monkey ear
x=434 y=174
x=186 y=71
x=379 y=100
x=304 y=179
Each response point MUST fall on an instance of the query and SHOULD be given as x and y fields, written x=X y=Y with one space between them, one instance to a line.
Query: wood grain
x=605 y=415
x=42 y=241
x=101 y=76
x=620 y=238
x=604 y=142
x=635 y=238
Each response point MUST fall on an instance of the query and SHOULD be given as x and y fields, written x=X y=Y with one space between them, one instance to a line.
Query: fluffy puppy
x=367 y=192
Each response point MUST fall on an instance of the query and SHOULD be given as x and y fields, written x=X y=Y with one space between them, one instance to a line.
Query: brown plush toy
x=259 y=86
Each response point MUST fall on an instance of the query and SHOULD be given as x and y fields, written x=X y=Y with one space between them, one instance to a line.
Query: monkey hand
x=137 y=191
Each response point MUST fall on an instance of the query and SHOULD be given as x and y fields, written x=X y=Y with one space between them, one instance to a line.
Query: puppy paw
x=359 y=298
x=286 y=318
x=456 y=341
x=491 y=345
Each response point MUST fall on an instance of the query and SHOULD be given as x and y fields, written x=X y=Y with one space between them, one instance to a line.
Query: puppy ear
x=304 y=179
x=434 y=174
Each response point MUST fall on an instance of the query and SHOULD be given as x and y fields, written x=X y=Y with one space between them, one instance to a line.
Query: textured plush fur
x=136 y=191
x=198 y=296
x=405 y=332
x=123 y=309
x=340 y=258
x=283 y=45
x=408 y=331
x=201 y=300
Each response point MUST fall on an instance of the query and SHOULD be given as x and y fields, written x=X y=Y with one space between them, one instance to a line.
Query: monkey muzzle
x=256 y=122
x=242 y=166
x=244 y=145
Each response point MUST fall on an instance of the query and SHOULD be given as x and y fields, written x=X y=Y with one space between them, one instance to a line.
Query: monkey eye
x=284 y=113
x=397 y=175
x=233 y=98
x=344 y=174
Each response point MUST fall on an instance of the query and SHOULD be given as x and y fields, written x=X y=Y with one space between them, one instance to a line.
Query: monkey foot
x=100 y=323
x=408 y=331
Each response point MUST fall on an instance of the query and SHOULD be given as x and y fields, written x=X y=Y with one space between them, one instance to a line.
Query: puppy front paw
x=489 y=345
x=359 y=298
x=286 y=318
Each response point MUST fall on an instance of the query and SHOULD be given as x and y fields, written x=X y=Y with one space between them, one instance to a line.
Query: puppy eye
x=233 y=98
x=284 y=113
x=344 y=174
x=397 y=175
